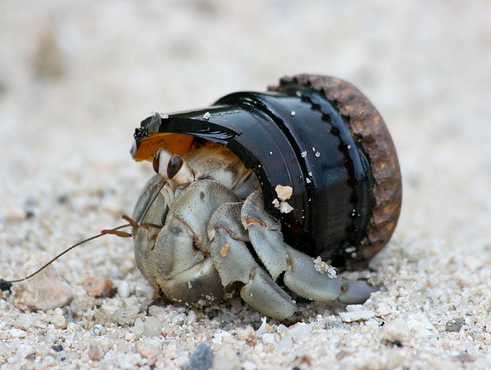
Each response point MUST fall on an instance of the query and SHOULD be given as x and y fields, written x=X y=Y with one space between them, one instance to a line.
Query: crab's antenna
x=156 y=191
x=115 y=231
x=103 y=232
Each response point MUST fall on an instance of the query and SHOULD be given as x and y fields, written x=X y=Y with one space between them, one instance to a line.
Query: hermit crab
x=266 y=194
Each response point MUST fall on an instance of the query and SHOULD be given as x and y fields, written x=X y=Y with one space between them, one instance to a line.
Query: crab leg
x=265 y=234
x=235 y=263
x=151 y=208
x=301 y=275
x=304 y=279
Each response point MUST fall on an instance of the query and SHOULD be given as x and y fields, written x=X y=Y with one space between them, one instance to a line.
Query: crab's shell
x=319 y=135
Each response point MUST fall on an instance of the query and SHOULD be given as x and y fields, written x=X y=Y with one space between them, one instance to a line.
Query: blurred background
x=77 y=76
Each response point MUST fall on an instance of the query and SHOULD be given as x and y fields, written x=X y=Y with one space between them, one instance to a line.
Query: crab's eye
x=174 y=165
x=179 y=171
x=161 y=162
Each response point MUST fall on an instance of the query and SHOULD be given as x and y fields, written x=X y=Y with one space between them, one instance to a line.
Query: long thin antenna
x=115 y=231
x=104 y=232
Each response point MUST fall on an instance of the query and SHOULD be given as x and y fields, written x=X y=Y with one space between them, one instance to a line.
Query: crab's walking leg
x=235 y=263
x=304 y=279
x=265 y=234
x=300 y=274
x=151 y=208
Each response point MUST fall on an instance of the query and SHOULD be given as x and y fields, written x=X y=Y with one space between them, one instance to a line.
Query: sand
x=77 y=77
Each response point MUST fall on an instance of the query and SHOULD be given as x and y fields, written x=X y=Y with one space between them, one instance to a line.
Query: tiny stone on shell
x=284 y=192
x=161 y=114
x=206 y=116
x=285 y=207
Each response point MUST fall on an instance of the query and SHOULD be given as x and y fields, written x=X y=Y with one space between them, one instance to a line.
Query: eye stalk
x=172 y=167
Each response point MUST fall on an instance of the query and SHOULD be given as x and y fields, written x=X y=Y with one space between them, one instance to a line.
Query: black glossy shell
x=317 y=134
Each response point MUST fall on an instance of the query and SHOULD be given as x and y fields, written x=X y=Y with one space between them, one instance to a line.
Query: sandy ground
x=76 y=78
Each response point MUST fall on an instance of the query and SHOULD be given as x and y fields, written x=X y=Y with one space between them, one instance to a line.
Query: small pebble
x=300 y=330
x=138 y=327
x=17 y=333
x=201 y=359
x=248 y=335
x=226 y=358
x=149 y=354
x=14 y=214
x=248 y=365
x=24 y=321
x=57 y=348
x=126 y=315
x=98 y=329
x=420 y=326
x=284 y=192
x=98 y=287
x=94 y=353
x=454 y=325
x=129 y=360
x=396 y=330
x=124 y=289
x=130 y=337
x=45 y=291
x=191 y=317
x=152 y=327
x=155 y=310
x=362 y=315
x=58 y=320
